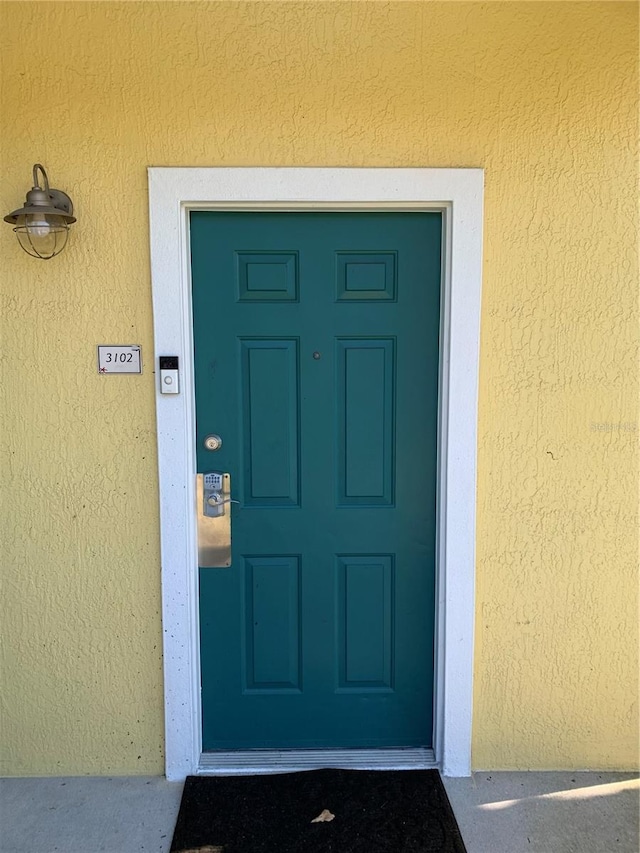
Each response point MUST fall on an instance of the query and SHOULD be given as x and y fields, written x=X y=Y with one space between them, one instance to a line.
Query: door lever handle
x=212 y=500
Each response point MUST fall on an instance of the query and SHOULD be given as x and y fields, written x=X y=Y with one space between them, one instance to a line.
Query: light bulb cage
x=46 y=213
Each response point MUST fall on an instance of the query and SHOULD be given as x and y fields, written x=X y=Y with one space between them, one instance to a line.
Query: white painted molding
x=173 y=192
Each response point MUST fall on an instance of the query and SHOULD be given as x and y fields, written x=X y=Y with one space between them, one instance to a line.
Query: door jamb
x=458 y=193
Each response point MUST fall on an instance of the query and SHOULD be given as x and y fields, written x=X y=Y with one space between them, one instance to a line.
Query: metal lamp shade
x=42 y=225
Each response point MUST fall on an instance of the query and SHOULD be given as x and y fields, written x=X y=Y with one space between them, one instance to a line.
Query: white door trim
x=173 y=192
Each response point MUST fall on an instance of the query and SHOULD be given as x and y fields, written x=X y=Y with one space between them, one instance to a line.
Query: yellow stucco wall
x=544 y=97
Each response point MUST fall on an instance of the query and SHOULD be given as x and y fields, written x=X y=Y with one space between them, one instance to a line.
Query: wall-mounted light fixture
x=42 y=225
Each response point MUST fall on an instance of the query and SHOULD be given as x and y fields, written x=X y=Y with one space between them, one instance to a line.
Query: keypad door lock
x=215 y=495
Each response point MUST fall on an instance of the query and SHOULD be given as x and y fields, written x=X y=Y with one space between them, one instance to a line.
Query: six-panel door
x=316 y=361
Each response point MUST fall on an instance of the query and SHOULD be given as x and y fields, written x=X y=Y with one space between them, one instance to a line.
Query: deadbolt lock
x=213 y=442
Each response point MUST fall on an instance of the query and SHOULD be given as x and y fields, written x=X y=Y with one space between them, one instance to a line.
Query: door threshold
x=262 y=761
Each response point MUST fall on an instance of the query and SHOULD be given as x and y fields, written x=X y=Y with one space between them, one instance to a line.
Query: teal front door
x=316 y=362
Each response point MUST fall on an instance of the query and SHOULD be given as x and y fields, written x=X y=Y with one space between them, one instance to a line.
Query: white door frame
x=458 y=193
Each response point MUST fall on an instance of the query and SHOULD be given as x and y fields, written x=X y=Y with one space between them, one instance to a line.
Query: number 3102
x=122 y=357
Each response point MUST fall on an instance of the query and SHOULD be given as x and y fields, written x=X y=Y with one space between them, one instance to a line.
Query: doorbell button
x=169 y=374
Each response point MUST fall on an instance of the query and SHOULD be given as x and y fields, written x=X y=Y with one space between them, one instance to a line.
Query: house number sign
x=119 y=359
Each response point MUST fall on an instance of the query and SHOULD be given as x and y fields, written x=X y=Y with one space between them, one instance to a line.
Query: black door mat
x=318 y=811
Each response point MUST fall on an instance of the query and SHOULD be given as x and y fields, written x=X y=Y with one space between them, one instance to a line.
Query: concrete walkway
x=497 y=813
x=547 y=812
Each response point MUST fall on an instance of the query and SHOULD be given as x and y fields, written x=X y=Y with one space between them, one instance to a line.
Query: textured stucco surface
x=543 y=96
